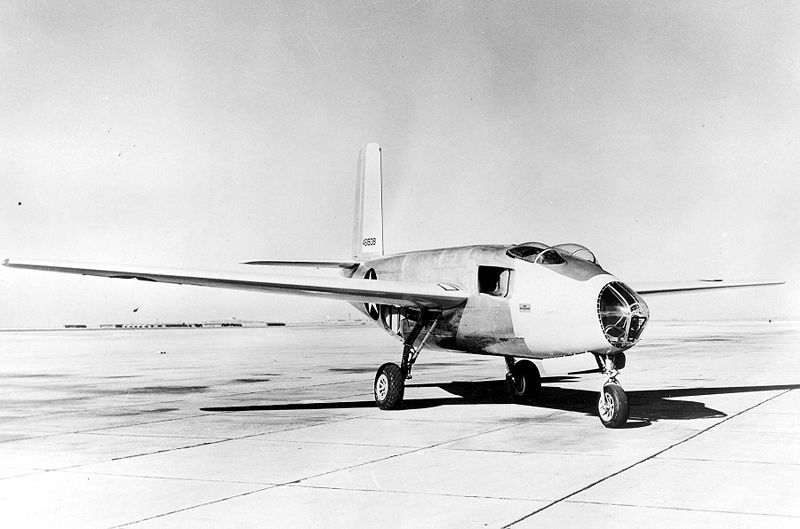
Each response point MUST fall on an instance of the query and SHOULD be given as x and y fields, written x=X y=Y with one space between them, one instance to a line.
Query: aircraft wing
x=352 y=265
x=401 y=293
x=666 y=287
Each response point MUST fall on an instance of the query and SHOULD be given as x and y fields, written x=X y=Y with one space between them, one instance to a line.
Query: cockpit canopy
x=537 y=252
x=579 y=251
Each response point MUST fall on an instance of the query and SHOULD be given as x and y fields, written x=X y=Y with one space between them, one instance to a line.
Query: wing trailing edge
x=400 y=293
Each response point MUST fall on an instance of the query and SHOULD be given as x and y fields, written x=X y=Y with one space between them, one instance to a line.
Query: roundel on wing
x=372 y=308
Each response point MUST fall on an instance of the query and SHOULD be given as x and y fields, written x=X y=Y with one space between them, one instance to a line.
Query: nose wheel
x=613 y=406
x=613 y=403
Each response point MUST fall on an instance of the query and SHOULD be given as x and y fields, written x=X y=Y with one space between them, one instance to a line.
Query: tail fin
x=368 y=226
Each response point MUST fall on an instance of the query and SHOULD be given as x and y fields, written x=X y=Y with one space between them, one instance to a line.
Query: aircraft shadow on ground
x=646 y=406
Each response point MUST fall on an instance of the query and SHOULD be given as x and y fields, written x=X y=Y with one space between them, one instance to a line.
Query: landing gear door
x=393 y=319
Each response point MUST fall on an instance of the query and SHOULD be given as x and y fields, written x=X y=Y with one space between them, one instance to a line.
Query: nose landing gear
x=613 y=403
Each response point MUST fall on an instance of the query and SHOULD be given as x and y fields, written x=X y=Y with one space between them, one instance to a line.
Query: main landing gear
x=613 y=403
x=390 y=378
x=523 y=379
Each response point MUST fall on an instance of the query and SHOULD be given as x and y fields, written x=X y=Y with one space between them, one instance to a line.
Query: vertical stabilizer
x=368 y=226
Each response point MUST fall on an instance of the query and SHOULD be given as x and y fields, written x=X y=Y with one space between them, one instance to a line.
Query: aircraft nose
x=623 y=314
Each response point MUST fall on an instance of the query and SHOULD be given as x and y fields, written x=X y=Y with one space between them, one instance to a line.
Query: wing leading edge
x=401 y=293
x=666 y=287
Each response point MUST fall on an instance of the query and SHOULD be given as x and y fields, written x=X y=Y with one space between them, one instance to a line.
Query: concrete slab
x=697 y=408
x=723 y=444
x=461 y=473
x=531 y=437
x=750 y=488
x=764 y=423
x=571 y=514
x=60 y=499
x=787 y=402
x=50 y=422
x=456 y=409
x=250 y=460
x=218 y=426
x=68 y=450
x=6 y=472
x=306 y=508
x=293 y=407
x=380 y=432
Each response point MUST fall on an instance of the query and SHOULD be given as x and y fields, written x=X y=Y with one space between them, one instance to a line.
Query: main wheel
x=613 y=406
x=389 y=387
x=525 y=382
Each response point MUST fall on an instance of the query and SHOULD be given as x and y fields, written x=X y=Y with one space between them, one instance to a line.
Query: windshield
x=526 y=253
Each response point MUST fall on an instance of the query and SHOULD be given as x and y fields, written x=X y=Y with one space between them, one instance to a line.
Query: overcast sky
x=664 y=136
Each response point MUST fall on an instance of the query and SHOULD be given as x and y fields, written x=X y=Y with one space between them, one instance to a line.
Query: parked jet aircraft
x=523 y=301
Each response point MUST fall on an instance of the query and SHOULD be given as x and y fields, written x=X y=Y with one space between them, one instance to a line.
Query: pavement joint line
x=415 y=450
x=298 y=481
x=742 y=461
x=223 y=395
x=127 y=393
x=216 y=441
x=104 y=431
x=334 y=443
x=235 y=394
x=687 y=509
x=382 y=417
x=93 y=430
x=648 y=458
x=530 y=452
x=57 y=414
x=25 y=472
x=410 y=493
x=195 y=445
x=218 y=500
x=158 y=436
x=74 y=470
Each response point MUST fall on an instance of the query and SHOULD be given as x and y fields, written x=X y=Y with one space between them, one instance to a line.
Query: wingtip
x=5 y=262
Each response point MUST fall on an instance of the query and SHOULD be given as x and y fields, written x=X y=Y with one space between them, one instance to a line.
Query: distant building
x=214 y=324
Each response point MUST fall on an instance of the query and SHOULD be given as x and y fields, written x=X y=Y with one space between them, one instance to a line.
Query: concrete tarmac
x=277 y=427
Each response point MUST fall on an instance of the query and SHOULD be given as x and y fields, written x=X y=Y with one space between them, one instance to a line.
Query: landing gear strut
x=390 y=379
x=523 y=379
x=613 y=403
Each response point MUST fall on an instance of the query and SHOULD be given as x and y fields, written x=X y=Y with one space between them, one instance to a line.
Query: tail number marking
x=369 y=241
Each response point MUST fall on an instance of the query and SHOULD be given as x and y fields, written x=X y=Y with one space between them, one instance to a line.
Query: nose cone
x=623 y=314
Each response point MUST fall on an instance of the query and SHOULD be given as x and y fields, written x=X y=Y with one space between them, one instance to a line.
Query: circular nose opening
x=623 y=314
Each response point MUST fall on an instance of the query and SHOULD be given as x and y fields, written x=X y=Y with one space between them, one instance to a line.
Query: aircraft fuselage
x=550 y=308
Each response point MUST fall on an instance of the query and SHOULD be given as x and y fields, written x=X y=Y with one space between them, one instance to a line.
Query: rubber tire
x=395 y=387
x=619 y=361
x=619 y=406
x=525 y=382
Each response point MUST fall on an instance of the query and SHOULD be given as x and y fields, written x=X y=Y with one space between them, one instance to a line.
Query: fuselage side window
x=493 y=280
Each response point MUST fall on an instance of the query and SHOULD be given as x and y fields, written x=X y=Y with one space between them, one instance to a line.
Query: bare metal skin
x=485 y=324
x=529 y=300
